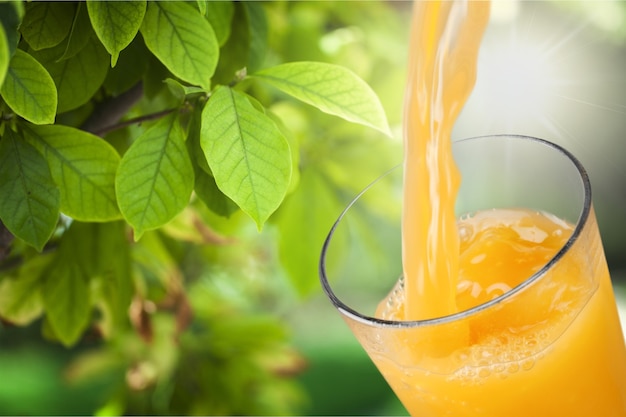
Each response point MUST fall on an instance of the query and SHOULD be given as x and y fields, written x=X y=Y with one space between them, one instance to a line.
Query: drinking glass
x=552 y=346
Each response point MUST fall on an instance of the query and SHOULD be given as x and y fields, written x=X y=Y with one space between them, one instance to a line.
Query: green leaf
x=235 y=52
x=201 y=4
x=194 y=131
x=206 y=189
x=177 y=89
x=204 y=185
x=183 y=41
x=220 y=15
x=66 y=290
x=67 y=299
x=247 y=153
x=11 y=13
x=116 y=23
x=46 y=24
x=4 y=55
x=180 y=91
x=80 y=33
x=29 y=90
x=258 y=35
x=77 y=78
x=331 y=88
x=102 y=254
x=67 y=293
x=292 y=138
x=154 y=258
x=85 y=240
x=20 y=296
x=152 y=80
x=155 y=178
x=83 y=166
x=30 y=206
x=130 y=68
x=115 y=278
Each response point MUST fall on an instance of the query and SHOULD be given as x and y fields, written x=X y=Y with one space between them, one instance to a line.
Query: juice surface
x=554 y=349
x=498 y=250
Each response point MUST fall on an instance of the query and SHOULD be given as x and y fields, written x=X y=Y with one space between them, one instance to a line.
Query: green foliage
x=66 y=299
x=4 y=55
x=155 y=178
x=153 y=154
x=79 y=35
x=182 y=40
x=83 y=167
x=78 y=76
x=46 y=24
x=21 y=296
x=116 y=23
x=11 y=14
x=29 y=90
x=330 y=88
x=31 y=204
x=247 y=153
x=220 y=15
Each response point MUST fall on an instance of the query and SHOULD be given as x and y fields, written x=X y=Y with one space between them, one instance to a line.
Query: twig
x=109 y=112
x=145 y=118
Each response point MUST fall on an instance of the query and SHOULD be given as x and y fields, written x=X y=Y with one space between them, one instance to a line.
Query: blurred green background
x=548 y=69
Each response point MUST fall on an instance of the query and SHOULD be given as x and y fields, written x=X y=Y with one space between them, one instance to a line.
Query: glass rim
x=580 y=224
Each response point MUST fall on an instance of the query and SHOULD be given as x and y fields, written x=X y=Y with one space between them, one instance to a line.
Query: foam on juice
x=499 y=249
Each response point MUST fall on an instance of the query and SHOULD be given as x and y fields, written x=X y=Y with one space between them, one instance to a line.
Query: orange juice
x=556 y=350
x=550 y=349
x=444 y=44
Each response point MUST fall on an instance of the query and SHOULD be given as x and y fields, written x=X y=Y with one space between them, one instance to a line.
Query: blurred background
x=550 y=69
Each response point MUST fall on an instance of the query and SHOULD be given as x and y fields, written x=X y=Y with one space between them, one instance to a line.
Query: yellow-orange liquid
x=442 y=69
x=553 y=349
x=557 y=350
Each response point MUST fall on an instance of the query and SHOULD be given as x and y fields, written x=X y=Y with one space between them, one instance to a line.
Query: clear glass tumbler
x=552 y=346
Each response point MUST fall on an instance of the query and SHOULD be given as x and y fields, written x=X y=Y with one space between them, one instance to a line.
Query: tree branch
x=152 y=116
x=109 y=112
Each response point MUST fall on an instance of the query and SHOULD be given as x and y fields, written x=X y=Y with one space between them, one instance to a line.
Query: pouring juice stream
x=445 y=38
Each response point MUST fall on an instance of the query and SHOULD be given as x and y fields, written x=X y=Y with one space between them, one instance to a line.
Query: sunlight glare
x=519 y=80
